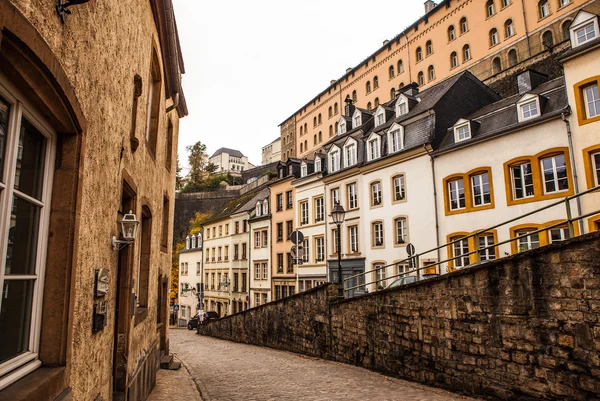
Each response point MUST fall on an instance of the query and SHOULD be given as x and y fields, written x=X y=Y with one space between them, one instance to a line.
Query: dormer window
x=290 y=169
x=373 y=148
x=584 y=28
x=402 y=108
x=265 y=207
x=357 y=119
x=462 y=132
x=303 y=170
x=379 y=117
x=318 y=164
x=187 y=242
x=342 y=127
x=334 y=160
x=528 y=107
x=258 y=209
x=395 y=138
x=350 y=154
x=281 y=173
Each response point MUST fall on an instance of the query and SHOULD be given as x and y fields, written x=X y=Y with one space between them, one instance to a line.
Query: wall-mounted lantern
x=62 y=8
x=129 y=226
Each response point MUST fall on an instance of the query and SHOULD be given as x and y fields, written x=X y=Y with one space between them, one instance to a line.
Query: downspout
x=526 y=29
x=567 y=112
x=408 y=59
x=249 y=258
x=435 y=203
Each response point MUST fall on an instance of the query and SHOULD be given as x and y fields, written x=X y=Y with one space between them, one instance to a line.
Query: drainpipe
x=567 y=112
x=408 y=59
x=435 y=203
x=249 y=258
x=526 y=29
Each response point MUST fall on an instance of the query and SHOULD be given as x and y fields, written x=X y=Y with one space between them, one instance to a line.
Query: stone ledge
x=44 y=384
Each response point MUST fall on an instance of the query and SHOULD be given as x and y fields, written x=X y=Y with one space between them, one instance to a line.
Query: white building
x=260 y=252
x=230 y=160
x=190 y=278
x=271 y=152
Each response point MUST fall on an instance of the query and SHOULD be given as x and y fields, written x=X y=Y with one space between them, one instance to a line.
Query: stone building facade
x=89 y=113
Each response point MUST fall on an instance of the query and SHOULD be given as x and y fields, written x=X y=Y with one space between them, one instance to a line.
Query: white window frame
x=523 y=177
x=376 y=194
x=303 y=170
x=462 y=132
x=317 y=164
x=401 y=227
x=401 y=107
x=592 y=101
x=399 y=182
x=528 y=104
x=460 y=248
x=319 y=249
x=24 y=363
x=306 y=250
x=554 y=169
x=396 y=139
x=342 y=126
x=455 y=191
x=257 y=271
x=380 y=118
x=352 y=196
x=491 y=10
x=334 y=159
x=380 y=276
x=482 y=189
x=303 y=213
x=510 y=29
x=545 y=9
x=350 y=154
x=486 y=240
x=356 y=119
x=319 y=210
x=378 y=236
x=595 y=162
x=563 y=233
x=373 y=148
x=526 y=242
x=353 y=234
x=494 y=37
x=258 y=209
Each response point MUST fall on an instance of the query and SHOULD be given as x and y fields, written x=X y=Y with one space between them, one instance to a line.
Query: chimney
x=385 y=42
x=348 y=69
x=333 y=81
x=429 y=5
x=412 y=89
x=349 y=107
x=528 y=80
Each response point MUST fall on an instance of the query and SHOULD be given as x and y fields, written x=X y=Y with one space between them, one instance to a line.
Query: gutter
x=565 y=113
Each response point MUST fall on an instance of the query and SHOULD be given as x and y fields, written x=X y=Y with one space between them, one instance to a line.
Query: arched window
x=464 y=27
x=375 y=82
x=489 y=8
x=466 y=53
x=453 y=60
x=369 y=106
x=392 y=93
x=305 y=145
x=419 y=54
x=565 y=29
x=391 y=71
x=512 y=58
x=429 y=47
x=400 y=67
x=301 y=147
x=368 y=87
x=509 y=28
x=330 y=112
x=301 y=130
x=315 y=139
x=305 y=128
x=335 y=108
x=494 y=40
x=451 y=33
x=319 y=119
x=547 y=40
x=314 y=121
x=421 y=78
x=320 y=136
x=354 y=97
x=431 y=73
x=330 y=130
x=336 y=126
x=376 y=102
x=401 y=85
x=544 y=8
x=496 y=65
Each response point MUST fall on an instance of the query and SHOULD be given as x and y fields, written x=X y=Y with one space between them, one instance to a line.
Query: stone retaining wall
x=524 y=327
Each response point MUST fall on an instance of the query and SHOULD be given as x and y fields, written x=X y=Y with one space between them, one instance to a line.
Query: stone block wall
x=524 y=327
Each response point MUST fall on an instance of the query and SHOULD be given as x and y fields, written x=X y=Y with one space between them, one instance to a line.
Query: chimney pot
x=528 y=80
x=385 y=42
x=333 y=81
x=348 y=69
x=429 y=5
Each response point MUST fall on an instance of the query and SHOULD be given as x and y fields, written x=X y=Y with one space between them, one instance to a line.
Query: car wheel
x=190 y=327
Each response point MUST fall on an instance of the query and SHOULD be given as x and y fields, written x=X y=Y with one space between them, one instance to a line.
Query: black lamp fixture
x=338 y=215
x=62 y=8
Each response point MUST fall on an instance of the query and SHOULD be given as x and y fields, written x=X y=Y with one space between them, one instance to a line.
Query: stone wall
x=187 y=204
x=524 y=327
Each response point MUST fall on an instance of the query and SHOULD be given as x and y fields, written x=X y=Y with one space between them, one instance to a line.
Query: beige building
x=88 y=136
x=490 y=38
x=190 y=279
x=272 y=152
x=230 y=160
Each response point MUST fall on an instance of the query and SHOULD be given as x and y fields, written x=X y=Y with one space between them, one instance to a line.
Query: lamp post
x=338 y=214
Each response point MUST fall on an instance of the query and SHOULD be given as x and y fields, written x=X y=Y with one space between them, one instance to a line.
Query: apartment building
x=489 y=38
x=260 y=252
x=282 y=197
x=217 y=267
x=231 y=161
x=271 y=152
x=191 y=286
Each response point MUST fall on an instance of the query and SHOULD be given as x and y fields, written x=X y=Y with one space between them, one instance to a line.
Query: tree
x=211 y=168
x=198 y=159
x=178 y=177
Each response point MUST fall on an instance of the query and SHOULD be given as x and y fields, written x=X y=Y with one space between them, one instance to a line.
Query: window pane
x=4 y=110
x=30 y=160
x=22 y=238
x=15 y=317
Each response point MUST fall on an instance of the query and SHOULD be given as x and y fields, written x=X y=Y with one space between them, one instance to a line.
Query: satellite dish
x=410 y=249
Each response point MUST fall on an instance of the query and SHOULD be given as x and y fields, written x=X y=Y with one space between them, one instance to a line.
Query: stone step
x=165 y=361
x=174 y=365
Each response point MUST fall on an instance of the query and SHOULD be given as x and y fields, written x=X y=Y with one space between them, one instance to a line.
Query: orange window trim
x=473 y=245
x=466 y=177
x=580 y=105
x=543 y=235
x=588 y=166
x=594 y=223
x=536 y=170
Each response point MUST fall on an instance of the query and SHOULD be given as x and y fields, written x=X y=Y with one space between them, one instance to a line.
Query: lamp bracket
x=62 y=7
x=118 y=244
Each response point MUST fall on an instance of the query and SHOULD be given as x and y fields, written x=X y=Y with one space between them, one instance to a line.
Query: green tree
x=178 y=177
x=211 y=168
x=197 y=159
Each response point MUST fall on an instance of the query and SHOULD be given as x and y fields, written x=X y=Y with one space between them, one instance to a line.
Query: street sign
x=296 y=237
x=175 y=307
x=410 y=249
x=293 y=251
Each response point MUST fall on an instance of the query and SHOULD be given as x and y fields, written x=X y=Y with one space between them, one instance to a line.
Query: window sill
x=589 y=120
x=565 y=6
x=43 y=384
x=376 y=206
x=402 y=245
x=140 y=315
x=546 y=17
x=394 y=202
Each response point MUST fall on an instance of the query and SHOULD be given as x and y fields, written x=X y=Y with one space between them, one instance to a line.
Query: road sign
x=176 y=307
x=296 y=237
x=293 y=251
x=410 y=249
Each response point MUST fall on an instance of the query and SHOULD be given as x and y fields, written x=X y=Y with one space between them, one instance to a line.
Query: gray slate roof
x=231 y=152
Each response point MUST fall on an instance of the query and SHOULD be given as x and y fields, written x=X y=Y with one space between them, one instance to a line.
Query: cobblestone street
x=228 y=371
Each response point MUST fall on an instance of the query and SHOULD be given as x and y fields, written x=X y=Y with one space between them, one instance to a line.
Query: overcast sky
x=251 y=64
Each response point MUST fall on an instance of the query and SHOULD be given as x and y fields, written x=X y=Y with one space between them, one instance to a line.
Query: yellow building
x=490 y=38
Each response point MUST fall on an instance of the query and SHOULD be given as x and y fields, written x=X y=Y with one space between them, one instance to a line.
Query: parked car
x=193 y=323
x=208 y=316
x=402 y=281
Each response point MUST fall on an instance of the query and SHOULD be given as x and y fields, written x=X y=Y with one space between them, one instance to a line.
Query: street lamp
x=338 y=214
x=129 y=226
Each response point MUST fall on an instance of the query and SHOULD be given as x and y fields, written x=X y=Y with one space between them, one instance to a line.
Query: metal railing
x=413 y=261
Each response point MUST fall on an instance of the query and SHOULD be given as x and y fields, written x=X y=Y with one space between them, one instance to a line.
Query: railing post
x=415 y=262
x=569 y=218
x=477 y=256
